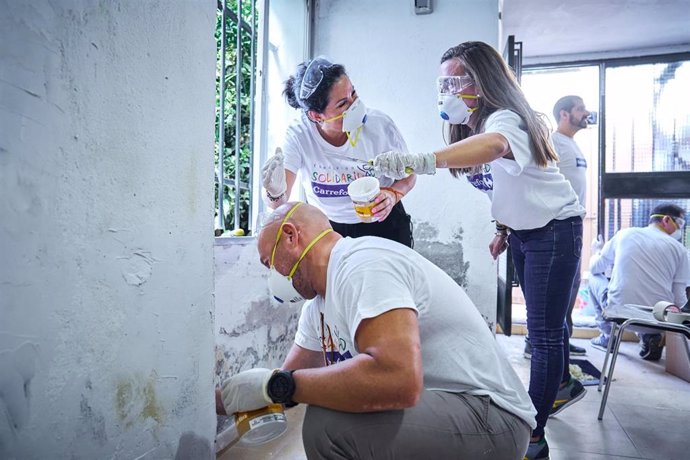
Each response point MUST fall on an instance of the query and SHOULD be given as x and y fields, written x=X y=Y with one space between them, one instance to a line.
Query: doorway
x=543 y=87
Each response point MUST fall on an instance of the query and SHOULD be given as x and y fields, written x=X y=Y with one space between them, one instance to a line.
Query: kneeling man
x=391 y=355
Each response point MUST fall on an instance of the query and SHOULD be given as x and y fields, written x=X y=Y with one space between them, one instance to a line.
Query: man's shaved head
x=306 y=240
x=304 y=214
x=307 y=219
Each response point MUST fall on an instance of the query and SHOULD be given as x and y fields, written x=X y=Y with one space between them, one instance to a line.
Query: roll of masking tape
x=678 y=318
x=661 y=310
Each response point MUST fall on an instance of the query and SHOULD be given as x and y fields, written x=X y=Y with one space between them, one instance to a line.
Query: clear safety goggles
x=453 y=84
x=679 y=221
x=313 y=76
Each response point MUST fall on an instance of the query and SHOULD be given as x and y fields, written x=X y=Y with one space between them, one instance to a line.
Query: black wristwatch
x=281 y=388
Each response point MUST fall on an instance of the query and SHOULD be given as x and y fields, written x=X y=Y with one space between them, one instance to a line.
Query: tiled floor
x=647 y=415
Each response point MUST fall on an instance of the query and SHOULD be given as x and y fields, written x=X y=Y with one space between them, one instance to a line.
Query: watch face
x=281 y=387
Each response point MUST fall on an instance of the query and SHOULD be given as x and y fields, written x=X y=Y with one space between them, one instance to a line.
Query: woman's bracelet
x=274 y=198
x=398 y=194
x=501 y=230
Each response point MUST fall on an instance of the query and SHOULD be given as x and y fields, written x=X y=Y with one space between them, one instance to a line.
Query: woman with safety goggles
x=539 y=213
x=333 y=143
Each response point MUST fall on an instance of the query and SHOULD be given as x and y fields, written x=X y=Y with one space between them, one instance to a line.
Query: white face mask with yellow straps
x=451 y=101
x=353 y=119
x=452 y=108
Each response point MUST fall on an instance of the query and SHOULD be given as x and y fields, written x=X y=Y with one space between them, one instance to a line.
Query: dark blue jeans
x=546 y=260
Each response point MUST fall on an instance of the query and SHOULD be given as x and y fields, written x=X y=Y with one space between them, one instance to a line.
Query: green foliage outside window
x=230 y=110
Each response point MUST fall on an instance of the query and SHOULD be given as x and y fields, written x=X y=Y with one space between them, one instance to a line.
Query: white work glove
x=246 y=391
x=273 y=175
x=398 y=165
x=597 y=244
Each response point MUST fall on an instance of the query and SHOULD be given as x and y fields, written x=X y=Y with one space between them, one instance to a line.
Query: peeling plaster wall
x=392 y=57
x=106 y=183
x=251 y=329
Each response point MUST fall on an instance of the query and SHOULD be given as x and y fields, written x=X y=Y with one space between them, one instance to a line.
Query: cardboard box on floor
x=678 y=355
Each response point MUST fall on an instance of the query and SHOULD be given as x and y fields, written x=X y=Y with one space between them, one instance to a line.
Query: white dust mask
x=282 y=289
x=452 y=108
x=353 y=119
x=355 y=116
x=677 y=235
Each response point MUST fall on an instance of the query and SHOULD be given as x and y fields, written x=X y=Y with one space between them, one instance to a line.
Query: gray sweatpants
x=441 y=426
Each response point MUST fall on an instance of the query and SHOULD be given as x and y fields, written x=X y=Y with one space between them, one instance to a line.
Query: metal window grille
x=236 y=36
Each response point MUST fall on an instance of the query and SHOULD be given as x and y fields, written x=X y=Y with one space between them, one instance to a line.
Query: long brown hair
x=499 y=90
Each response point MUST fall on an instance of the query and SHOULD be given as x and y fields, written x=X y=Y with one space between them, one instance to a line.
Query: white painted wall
x=106 y=186
x=392 y=57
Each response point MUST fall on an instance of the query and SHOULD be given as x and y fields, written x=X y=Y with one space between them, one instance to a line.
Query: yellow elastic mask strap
x=469 y=96
x=673 y=219
x=328 y=120
x=353 y=141
x=280 y=230
x=306 y=250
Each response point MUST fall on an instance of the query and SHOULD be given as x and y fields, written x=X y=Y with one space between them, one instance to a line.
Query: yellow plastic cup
x=363 y=192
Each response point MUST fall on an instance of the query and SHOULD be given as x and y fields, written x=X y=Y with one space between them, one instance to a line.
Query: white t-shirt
x=325 y=177
x=644 y=263
x=526 y=196
x=369 y=276
x=572 y=163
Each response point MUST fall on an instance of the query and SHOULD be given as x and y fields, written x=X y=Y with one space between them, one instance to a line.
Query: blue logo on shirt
x=483 y=180
x=335 y=356
x=580 y=162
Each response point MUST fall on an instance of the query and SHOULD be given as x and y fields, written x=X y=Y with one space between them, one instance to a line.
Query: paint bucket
x=261 y=425
x=251 y=428
x=363 y=192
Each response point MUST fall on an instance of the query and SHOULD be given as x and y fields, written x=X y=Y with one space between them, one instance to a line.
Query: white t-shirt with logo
x=572 y=163
x=324 y=175
x=644 y=263
x=525 y=195
x=369 y=276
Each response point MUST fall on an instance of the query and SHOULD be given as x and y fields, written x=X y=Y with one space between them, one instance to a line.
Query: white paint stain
x=137 y=268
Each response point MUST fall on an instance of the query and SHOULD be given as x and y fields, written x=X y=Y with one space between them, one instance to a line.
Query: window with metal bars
x=646 y=148
x=236 y=38
x=634 y=212
x=643 y=131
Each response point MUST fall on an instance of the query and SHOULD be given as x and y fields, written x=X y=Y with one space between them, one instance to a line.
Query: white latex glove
x=246 y=391
x=273 y=174
x=597 y=244
x=398 y=165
